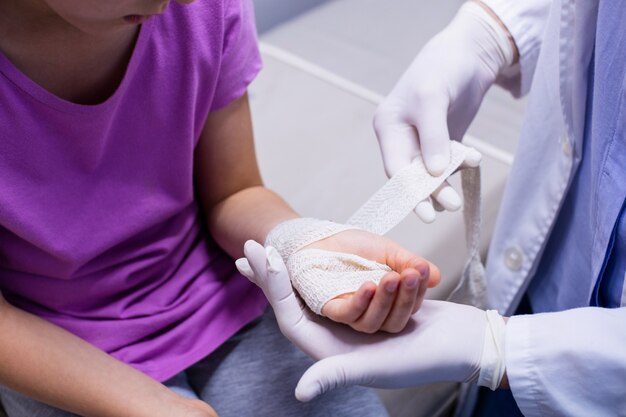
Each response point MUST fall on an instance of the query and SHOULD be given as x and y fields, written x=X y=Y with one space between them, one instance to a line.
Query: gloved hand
x=438 y=96
x=443 y=341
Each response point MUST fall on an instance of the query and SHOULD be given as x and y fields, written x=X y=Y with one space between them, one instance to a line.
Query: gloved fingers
x=398 y=141
x=431 y=120
x=347 y=308
x=425 y=211
x=330 y=373
x=407 y=298
x=447 y=197
x=438 y=207
x=243 y=266
x=271 y=275
x=257 y=260
x=380 y=306
x=472 y=159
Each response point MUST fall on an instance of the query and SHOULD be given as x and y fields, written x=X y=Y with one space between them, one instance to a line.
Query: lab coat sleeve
x=526 y=21
x=571 y=363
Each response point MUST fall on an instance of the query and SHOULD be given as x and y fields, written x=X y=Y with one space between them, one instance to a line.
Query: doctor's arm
x=438 y=96
x=570 y=363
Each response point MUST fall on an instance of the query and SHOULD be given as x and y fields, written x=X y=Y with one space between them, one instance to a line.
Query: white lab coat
x=570 y=363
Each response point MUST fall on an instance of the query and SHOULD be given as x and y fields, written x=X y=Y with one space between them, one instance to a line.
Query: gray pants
x=253 y=374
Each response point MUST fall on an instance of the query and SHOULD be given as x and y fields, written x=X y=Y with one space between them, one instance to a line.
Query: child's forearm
x=53 y=366
x=247 y=214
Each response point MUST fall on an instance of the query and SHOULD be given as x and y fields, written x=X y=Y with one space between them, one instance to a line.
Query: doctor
x=559 y=248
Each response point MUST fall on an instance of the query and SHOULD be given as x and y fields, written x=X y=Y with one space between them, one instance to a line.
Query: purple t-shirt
x=100 y=232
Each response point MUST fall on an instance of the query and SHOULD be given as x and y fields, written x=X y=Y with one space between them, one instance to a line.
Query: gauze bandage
x=320 y=275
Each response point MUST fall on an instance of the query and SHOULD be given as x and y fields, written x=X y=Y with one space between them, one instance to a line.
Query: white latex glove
x=438 y=96
x=443 y=342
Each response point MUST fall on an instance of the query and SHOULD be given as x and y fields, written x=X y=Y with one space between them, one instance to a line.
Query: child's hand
x=389 y=305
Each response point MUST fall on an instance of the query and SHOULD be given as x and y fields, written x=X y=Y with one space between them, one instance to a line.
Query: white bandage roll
x=320 y=276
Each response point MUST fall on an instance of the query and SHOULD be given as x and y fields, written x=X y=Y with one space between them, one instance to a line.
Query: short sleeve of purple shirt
x=240 y=55
x=100 y=232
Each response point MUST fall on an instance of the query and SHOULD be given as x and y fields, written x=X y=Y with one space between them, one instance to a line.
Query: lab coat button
x=513 y=258
x=566 y=145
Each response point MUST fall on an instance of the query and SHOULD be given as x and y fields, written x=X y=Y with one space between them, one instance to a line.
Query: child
x=119 y=120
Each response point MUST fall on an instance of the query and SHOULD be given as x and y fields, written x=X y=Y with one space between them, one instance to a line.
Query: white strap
x=472 y=286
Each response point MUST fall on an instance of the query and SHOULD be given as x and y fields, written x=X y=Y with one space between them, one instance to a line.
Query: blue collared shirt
x=584 y=260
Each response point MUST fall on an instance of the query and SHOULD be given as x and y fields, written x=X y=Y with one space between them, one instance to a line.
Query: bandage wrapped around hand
x=320 y=275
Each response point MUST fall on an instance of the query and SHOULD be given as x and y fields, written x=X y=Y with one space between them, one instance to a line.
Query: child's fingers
x=400 y=259
x=380 y=306
x=348 y=308
x=421 y=293
x=434 y=275
x=426 y=269
x=405 y=301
